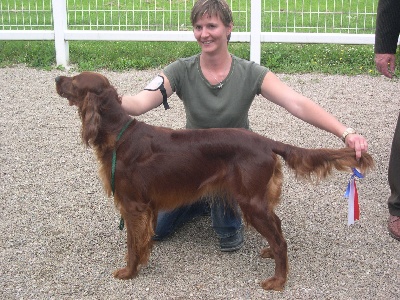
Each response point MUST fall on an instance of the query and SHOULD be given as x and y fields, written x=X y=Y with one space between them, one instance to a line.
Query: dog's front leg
x=139 y=241
x=132 y=267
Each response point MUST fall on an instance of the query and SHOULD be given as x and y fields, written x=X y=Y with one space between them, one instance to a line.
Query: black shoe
x=232 y=243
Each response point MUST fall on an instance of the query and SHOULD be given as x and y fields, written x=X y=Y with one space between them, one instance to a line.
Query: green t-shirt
x=207 y=105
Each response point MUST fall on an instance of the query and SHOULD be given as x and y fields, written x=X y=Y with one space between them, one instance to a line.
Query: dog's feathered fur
x=160 y=168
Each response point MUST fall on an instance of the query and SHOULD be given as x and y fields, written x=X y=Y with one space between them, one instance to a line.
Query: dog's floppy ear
x=90 y=118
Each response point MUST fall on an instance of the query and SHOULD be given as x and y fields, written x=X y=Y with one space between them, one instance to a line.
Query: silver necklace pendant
x=219 y=84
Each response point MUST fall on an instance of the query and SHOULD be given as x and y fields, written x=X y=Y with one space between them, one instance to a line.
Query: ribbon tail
x=350 y=200
x=356 y=205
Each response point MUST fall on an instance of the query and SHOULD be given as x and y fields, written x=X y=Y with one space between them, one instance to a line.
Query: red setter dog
x=160 y=169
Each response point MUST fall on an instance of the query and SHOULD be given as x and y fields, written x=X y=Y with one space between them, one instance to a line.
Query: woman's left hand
x=358 y=143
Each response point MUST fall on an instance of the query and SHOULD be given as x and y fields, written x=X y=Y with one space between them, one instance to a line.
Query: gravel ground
x=59 y=236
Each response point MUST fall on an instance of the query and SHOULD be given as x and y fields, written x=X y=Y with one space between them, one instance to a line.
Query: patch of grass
x=122 y=56
x=34 y=54
x=321 y=58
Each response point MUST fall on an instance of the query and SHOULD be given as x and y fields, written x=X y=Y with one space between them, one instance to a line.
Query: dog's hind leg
x=267 y=251
x=139 y=228
x=268 y=224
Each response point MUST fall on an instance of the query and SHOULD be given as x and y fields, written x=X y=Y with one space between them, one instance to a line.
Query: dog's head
x=77 y=88
x=93 y=94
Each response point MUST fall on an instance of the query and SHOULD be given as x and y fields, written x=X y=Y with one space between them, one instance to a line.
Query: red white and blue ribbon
x=352 y=196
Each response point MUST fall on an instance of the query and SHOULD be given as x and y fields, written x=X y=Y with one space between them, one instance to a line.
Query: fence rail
x=256 y=21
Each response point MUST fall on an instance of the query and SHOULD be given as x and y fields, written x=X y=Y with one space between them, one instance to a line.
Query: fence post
x=255 y=31
x=60 y=25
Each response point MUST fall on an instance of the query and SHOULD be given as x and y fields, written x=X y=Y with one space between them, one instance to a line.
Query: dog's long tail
x=319 y=163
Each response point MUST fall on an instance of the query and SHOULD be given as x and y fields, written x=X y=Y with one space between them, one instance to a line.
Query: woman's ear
x=230 y=27
x=229 y=31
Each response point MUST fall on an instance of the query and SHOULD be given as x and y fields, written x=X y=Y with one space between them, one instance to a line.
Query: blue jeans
x=226 y=219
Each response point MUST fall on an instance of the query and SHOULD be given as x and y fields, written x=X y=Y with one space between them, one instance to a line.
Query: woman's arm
x=305 y=109
x=145 y=100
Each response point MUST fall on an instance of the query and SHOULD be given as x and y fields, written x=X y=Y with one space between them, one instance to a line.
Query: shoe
x=232 y=243
x=394 y=227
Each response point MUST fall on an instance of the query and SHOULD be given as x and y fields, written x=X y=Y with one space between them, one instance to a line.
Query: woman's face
x=211 y=34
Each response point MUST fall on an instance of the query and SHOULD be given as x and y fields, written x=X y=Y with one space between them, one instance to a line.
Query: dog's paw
x=124 y=273
x=266 y=253
x=273 y=283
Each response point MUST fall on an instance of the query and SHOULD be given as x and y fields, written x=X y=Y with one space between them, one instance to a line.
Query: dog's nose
x=58 y=78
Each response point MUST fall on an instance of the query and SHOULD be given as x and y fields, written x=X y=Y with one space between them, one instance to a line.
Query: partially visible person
x=386 y=40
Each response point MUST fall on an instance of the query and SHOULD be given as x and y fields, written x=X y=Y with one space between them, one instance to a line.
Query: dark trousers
x=394 y=173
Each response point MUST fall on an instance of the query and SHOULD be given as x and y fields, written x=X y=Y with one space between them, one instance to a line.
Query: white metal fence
x=256 y=21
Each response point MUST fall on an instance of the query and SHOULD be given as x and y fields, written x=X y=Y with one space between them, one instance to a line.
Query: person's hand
x=358 y=143
x=385 y=64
